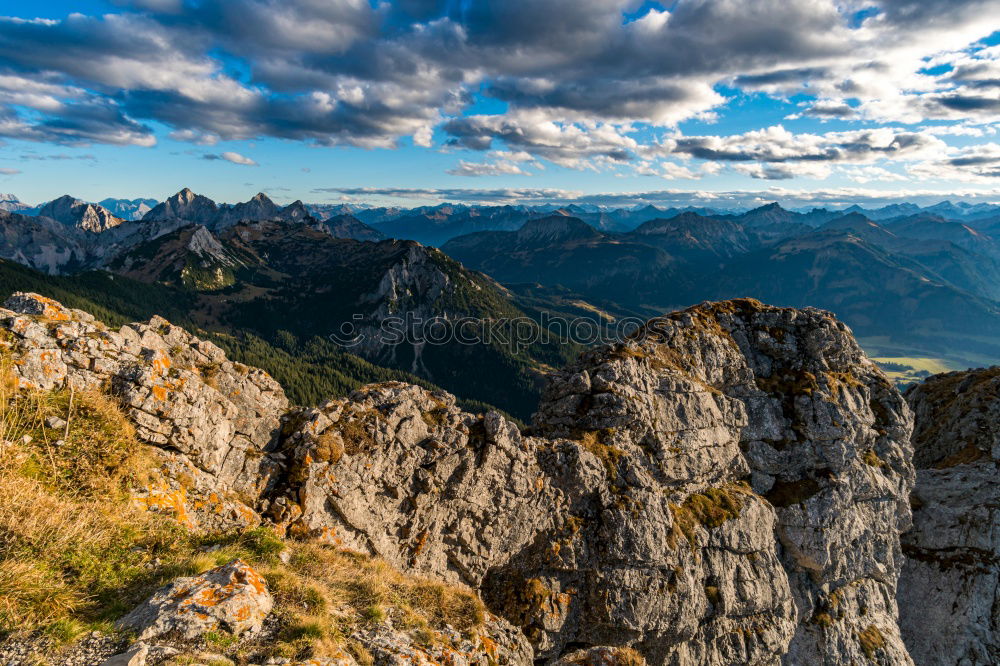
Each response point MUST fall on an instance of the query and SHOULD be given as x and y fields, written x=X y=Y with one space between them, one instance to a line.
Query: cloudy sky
x=733 y=101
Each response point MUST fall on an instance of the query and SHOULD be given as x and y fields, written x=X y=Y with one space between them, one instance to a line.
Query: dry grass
x=73 y=549
x=325 y=594
x=871 y=640
x=709 y=509
x=76 y=552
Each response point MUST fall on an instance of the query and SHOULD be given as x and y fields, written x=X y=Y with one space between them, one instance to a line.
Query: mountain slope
x=348 y=226
x=566 y=251
x=875 y=292
x=289 y=283
x=310 y=370
x=695 y=237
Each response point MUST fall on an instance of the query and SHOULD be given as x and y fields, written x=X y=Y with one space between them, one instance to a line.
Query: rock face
x=232 y=597
x=212 y=419
x=727 y=486
x=627 y=518
x=948 y=593
x=402 y=472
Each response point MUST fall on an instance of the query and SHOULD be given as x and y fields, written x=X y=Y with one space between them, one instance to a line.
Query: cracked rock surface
x=727 y=486
x=948 y=593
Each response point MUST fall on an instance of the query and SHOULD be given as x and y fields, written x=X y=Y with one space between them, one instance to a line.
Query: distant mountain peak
x=555 y=228
x=187 y=206
x=73 y=212
x=295 y=212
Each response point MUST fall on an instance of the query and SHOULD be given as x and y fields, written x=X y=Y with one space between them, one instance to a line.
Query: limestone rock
x=134 y=656
x=213 y=419
x=699 y=400
x=232 y=597
x=627 y=518
x=499 y=644
x=401 y=472
x=948 y=592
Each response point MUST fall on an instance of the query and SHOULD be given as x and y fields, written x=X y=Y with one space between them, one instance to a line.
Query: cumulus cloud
x=580 y=84
x=230 y=156
x=500 y=168
x=778 y=145
x=972 y=164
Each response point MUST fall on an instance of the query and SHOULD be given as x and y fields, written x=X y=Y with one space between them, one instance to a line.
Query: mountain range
x=911 y=282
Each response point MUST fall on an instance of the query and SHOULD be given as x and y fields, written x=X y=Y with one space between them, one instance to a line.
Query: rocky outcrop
x=948 y=593
x=785 y=397
x=233 y=598
x=210 y=419
x=727 y=488
x=402 y=472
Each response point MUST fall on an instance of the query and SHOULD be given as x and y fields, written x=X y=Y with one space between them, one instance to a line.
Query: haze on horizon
x=709 y=102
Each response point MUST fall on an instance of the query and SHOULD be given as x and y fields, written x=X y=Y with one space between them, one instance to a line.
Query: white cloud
x=498 y=168
x=578 y=82
x=230 y=156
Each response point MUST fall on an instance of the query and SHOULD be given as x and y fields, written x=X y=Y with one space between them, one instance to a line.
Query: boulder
x=232 y=598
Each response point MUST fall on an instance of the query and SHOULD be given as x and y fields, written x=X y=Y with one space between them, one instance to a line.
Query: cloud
x=61 y=157
x=77 y=124
x=499 y=168
x=866 y=174
x=581 y=86
x=230 y=156
x=196 y=137
x=842 y=196
x=973 y=164
x=777 y=145
x=9 y=172
x=568 y=144
x=784 y=171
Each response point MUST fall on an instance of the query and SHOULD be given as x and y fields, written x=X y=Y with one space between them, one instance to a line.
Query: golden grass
x=325 y=593
x=77 y=553
x=709 y=509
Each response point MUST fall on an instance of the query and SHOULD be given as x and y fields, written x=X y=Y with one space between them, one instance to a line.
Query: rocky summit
x=727 y=486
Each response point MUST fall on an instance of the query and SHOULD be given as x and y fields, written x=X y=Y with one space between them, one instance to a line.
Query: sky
x=712 y=102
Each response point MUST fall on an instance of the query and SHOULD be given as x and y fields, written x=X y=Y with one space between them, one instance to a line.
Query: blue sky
x=425 y=100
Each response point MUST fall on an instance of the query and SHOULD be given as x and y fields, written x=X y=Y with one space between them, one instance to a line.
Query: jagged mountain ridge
x=128 y=209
